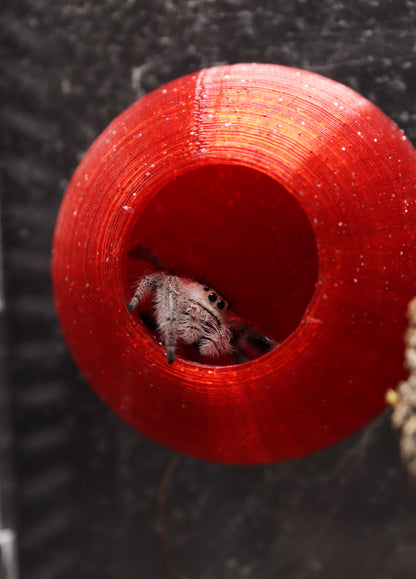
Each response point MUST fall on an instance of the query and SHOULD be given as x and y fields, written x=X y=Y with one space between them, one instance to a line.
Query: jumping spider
x=195 y=313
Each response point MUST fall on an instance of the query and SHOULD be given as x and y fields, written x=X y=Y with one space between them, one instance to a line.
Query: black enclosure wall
x=92 y=498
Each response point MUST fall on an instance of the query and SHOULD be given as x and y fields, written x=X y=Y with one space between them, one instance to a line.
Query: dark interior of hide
x=240 y=231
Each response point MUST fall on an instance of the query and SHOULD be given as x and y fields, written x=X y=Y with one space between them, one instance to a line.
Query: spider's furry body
x=183 y=313
x=194 y=313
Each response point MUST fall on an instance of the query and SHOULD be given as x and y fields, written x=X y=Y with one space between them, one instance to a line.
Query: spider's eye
x=220 y=304
x=206 y=287
x=212 y=297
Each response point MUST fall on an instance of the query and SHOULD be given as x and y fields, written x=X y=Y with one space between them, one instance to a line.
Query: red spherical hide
x=292 y=195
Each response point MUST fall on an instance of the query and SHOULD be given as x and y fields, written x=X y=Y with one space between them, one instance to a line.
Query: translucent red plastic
x=291 y=194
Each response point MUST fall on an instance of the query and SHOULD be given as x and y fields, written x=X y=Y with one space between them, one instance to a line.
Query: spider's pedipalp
x=216 y=343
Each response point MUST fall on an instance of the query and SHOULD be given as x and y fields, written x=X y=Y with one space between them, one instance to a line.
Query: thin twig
x=162 y=499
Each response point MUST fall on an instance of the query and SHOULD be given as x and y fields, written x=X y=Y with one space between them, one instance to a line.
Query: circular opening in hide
x=240 y=231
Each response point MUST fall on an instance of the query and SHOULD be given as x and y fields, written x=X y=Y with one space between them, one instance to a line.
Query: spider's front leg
x=146 y=285
x=167 y=290
x=168 y=312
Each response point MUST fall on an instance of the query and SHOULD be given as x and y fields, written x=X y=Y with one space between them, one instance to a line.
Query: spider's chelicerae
x=195 y=313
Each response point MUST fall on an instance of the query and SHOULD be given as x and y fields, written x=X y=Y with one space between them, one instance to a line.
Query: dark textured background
x=90 y=491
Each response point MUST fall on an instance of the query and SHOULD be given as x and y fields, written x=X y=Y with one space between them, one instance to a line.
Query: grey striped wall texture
x=92 y=498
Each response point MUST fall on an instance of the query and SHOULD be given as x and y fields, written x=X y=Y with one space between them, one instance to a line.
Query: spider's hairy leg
x=146 y=285
x=167 y=309
x=259 y=341
x=246 y=337
x=140 y=251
